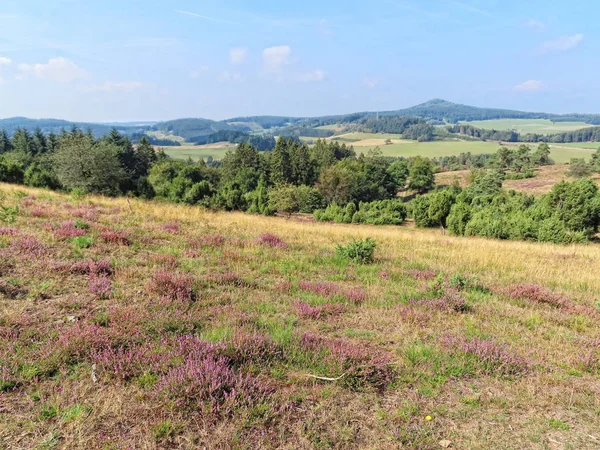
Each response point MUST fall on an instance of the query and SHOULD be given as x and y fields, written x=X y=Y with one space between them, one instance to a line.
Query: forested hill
x=443 y=110
x=191 y=128
x=56 y=126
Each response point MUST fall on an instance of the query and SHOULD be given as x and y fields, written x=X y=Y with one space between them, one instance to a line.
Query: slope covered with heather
x=139 y=324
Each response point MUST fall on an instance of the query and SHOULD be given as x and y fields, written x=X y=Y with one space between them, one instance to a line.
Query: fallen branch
x=326 y=378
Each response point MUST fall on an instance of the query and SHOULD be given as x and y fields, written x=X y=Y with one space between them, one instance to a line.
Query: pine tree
x=5 y=143
x=23 y=142
x=280 y=162
x=40 y=142
x=146 y=157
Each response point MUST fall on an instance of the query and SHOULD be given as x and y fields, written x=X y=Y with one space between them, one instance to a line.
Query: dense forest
x=328 y=179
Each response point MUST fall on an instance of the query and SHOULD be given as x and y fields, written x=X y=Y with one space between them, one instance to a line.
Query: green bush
x=358 y=251
x=382 y=212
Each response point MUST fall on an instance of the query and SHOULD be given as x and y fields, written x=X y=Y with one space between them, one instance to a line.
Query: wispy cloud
x=4 y=61
x=238 y=55
x=226 y=77
x=200 y=16
x=370 y=82
x=529 y=86
x=113 y=86
x=562 y=44
x=60 y=70
x=534 y=24
x=469 y=7
x=276 y=58
x=197 y=73
x=313 y=75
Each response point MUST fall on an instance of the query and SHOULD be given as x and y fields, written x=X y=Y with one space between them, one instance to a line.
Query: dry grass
x=554 y=403
x=545 y=178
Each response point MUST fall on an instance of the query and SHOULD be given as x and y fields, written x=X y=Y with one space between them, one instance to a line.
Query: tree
x=541 y=157
x=578 y=168
x=146 y=157
x=22 y=142
x=594 y=163
x=399 y=172
x=5 y=143
x=279 y=163
x=421 y=176
x=90 y=167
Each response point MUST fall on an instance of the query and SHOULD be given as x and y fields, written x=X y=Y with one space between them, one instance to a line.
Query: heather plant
x=7 y=231
x=115 y=237
x=537 y=294
x=100 y=286
x=422 y=274
x=172 y=286
x=361 y=367
x=358 y=251
x=307 y=311
x=211 y=240
x=68 y=230
x=171 y=227
x=28 y=246
x=492 y=359
x=271 y=240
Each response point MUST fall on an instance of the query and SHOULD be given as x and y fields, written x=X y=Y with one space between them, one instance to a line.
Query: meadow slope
x=132 y=324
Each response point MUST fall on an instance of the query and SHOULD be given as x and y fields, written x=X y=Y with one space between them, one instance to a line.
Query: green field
x=590 y=145
x=400 y=148
x=449 y=148
x=355 y=137
x=524 y=126
x=195 y=152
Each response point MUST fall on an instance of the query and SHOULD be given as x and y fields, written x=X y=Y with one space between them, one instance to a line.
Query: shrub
x=172 y=286
x=99 y=286
x=271 y=240
x=115 y=237
x=493 y=358
x=358 y=251
x=382 y=212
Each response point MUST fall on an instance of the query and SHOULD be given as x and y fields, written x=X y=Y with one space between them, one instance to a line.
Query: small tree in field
x=92 y=167
x=578 y=168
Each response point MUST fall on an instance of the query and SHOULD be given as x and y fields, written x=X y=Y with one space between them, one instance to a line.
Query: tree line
x=328 y=179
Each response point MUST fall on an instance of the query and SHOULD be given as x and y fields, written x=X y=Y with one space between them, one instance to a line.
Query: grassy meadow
x=134 y=324
x=197 y=152
x=524 y=126
x=543 y=182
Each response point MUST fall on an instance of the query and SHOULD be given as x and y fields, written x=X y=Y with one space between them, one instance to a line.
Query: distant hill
x=190 y=129
x=438 y=109
x=56 y=126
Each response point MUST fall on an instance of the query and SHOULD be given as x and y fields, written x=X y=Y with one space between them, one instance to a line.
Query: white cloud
x=227 y=76
x=238 y=55
x=371 y=82
x=529 y=86
x=114 y=86
x=197 y=73
x=562 y=44
x=4 y=61
x=314 y=75
x=60 y=70
x=276 y=58
x=535 y=25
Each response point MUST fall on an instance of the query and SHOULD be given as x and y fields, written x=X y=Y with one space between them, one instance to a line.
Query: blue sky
x=152 y=60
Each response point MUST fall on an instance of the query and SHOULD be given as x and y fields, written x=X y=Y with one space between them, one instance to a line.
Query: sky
x=130 y=60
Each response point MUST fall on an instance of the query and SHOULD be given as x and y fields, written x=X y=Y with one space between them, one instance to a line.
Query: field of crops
x=524 y=126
